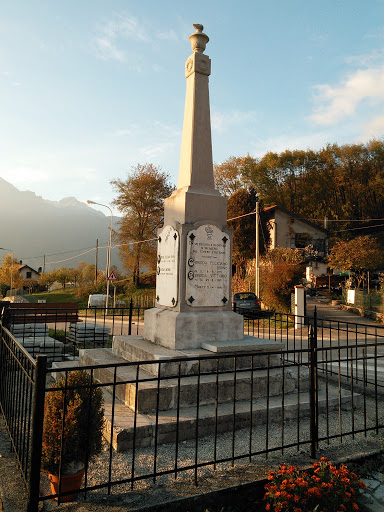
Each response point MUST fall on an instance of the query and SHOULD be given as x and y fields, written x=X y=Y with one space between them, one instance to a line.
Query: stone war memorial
x=194 y=258
x=193 y=316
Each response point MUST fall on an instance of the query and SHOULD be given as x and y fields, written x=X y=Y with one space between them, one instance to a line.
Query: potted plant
x=66 y=452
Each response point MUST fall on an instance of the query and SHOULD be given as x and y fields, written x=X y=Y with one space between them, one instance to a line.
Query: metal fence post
x=130 y=317
x=313 y=397
x=37 y=433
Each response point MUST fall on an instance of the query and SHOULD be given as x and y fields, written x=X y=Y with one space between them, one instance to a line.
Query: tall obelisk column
x=193 y=288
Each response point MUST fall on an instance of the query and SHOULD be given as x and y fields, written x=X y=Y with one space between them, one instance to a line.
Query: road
x=353 y=337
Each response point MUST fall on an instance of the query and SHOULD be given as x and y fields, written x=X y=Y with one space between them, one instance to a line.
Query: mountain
x=32 y=227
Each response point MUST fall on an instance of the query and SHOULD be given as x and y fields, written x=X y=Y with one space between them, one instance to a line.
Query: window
x=302 y=240
x=29 y=275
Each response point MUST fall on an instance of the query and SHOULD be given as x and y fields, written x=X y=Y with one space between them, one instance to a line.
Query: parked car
x=98 y=300
x=245 y=303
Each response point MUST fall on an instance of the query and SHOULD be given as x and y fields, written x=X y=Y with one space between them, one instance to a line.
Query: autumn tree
x=10 y=267
x=63 y=276
x=316 y=184
x=83 y=274
x=48 y=278
x=231 y=175
x=140 y=199
x=241 y=208
x=280 y=271
x=359 y=255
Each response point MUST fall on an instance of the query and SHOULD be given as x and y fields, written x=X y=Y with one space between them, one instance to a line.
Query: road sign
x=112 y=276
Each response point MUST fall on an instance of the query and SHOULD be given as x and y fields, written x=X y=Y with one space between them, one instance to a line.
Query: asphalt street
x=353 y=338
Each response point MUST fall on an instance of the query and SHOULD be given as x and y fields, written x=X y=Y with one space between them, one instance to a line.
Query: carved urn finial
x=198 y=40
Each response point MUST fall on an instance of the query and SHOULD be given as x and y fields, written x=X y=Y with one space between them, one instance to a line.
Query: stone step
x=222 y=384
x=136 y=348
x=170 y=426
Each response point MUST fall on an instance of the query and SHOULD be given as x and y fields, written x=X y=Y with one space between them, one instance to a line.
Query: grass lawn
x=142 y=296
x=65 y=296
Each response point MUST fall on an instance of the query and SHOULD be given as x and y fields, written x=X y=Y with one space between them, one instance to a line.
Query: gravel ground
x=146 y=493
x=243 y=481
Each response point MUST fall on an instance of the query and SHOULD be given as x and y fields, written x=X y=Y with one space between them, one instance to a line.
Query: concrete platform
x=137 y=348
x=247 y=344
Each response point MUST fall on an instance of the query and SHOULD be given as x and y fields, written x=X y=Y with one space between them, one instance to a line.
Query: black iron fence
x=188 y=415
x=61 y=330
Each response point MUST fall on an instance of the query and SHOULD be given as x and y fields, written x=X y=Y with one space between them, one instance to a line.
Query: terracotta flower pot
x=70 y=482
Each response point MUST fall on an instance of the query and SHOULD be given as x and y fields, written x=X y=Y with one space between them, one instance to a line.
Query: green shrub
x=82 y=407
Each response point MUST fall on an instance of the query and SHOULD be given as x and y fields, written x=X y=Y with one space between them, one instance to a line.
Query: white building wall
x=284 y=228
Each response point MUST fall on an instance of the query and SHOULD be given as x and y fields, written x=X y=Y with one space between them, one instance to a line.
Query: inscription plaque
x=167 y=265
x=208 y=267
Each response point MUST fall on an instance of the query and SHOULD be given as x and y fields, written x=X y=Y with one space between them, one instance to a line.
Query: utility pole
x=44 y=265
x=97 y=248
x=257 y=265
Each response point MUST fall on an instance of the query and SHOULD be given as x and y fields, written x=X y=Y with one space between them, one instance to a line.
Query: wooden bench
x=21 y=313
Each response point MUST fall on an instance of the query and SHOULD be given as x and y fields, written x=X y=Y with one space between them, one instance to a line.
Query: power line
x=363 y=227
x=342 y=220
x=71 y=258
x=245 y=215
x=55 y=254
x=99 y=247
x=87 y=250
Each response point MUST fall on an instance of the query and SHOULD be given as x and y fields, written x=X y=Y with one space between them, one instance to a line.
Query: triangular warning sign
x=112 y=276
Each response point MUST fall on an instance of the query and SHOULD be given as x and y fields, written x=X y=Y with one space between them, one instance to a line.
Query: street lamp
x=109 y=250
x=12 y=255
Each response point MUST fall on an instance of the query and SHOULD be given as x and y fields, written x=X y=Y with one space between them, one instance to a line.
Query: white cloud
x=128 y=28
x=334 y=103
x=371 y=59
x=111 y=44
x=283 y=142
x=154 y=151
x=123 y=132
x=373 y=129
x=107 y=50
x=222 y=121
x=170 y=35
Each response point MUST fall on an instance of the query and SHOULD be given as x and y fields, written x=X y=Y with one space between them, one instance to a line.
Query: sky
x=89 y=89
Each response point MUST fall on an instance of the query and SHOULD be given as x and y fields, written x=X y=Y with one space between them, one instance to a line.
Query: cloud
x=123 y=132
x=170 y=35
x=107 y=50
x=154 y=151
x=370 y=59
x=223 y=121
x=373 y=129
x=335 y=103
x=283 y=142
x=114 y=34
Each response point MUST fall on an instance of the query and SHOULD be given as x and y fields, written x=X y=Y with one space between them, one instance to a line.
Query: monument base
x=180 y=330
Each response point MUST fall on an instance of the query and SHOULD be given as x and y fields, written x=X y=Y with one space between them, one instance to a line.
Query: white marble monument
x=193 y=288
